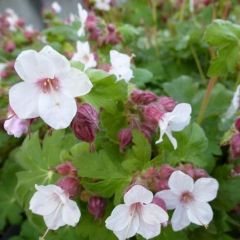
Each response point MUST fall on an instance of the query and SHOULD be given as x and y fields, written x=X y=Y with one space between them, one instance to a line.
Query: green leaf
x=141 y=77
x=9 y=208
x=106 y=92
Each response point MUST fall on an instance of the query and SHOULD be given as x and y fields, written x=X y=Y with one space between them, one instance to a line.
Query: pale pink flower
x=138 y=215
x=49 y=87
x=56 y=7
x=103 y=5
x=189 y=199
x=54 y=205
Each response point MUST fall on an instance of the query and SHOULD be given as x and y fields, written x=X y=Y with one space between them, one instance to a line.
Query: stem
x=181 y=16
x=195 y=56
x=44 y=235
x=206 y=99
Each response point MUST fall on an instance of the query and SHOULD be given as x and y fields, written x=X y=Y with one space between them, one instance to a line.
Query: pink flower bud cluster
x=145 y=111
x=156 y=179
x=102 y=33
x=70 y=181
x=86 y=123
x=8 y=70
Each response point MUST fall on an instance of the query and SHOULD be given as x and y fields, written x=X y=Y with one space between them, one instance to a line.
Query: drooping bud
x=85 y=123
x=168 y=103
x=235 y=146
x=70 y=185
x=16 y=126
x=237 y=124
x=143 y=97
x=165 y=171
x=97 y=206
x=66 y=169
x=158 y=201
x=125 y=138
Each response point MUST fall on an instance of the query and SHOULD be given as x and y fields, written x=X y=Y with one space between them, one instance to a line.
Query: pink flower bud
x=235 y=146
x=148 y=129
x=158 y=201
x=16 y=126
x=153 y=113
x=199 y=173
x=113 y=36
x=66 y=169
x=160 y=184
x=165 y=171
x=188 y=169
x=20 y=22
x=10 y=46
x=105 y=67
x=143 y=97
x=70 y=185
x=91 y=22
x=237 y=124
x=85 y=123
x=97 y=206
x=168 y=103
x=4 y=74
x=125 y=138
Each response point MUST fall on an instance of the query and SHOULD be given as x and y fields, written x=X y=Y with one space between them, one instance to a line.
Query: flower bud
x=70 y=185
x=97 y=206
x=10 y=46
x=188 y=169
x=168 y=103
x=237 y=124
x=199 y=173
x=236 y=171
x=125 y=138
x=143 y=97
x=165 y=171
x=153 y=113
x=113 y=36
x=148 y=130
x=66 y=169
x=20 y=22
x=85 y=123
x=158 y=201
x=160 y=184
x=235 y=146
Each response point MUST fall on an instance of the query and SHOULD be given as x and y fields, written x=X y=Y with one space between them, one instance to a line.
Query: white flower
x=2 y=67
x=54 y=205
x=49 y=87
x=103 y=5
x=84 y=55
x=56 y=7
x=137 y=215
x=234 y=106
x=174 y=121
x=82 y=18
x=16 y=126
x=121 y=65
x=189 y=199
x=12 y=19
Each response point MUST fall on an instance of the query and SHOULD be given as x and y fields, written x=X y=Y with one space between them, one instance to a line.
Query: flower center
x=47 y=85
x=86 y=58
x=135 y=208
x=186 y=197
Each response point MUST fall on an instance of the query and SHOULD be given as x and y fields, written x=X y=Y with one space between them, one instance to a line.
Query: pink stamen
x=47 y=85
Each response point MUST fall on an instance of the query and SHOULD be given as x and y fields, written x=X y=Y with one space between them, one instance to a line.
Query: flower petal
x=75 y=83
x=119 y=219
x=205 y=189
x=138 y=193
x=200 y=213
x=130 y=230
x=180 y=218
x=59 y=62
x=171 y=199
x=163 y=125
x=181 y=116
x=153 y=214
x=171 y=138
x=71 y=213
x=54 y=220
x=180 y=182
x=23 y=99
x=32 y=66
x=148 y=230
x=57 y=109
x=51 y=188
